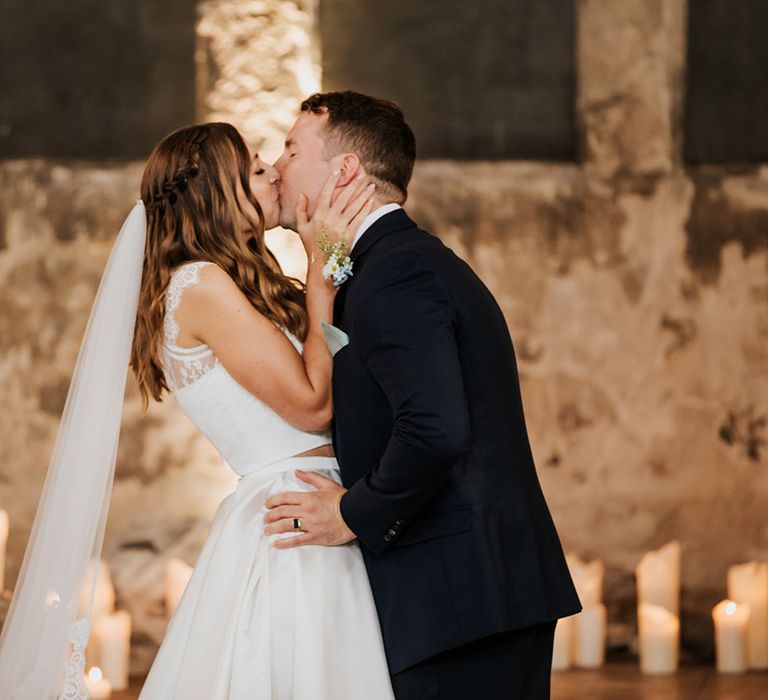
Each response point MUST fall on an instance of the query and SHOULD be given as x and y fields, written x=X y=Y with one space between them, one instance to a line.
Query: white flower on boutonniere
x=338 y=264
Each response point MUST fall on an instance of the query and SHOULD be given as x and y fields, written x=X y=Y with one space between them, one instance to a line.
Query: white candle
x=4 y=525
x=731 y=630
x=562 y=651
x=588 y=579
x=112 y=638
x=103 y=596
x=748 y=583
x=658 y=578
x=589 y=637
x=177 y=575
x=659 y=639
x=99 y=688
x=103 y=603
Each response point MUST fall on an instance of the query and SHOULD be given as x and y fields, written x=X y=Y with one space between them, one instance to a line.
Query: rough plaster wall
x=636 y=292
x=644 y=384
x=57 y=223
x=257 y=59
x=637 y=295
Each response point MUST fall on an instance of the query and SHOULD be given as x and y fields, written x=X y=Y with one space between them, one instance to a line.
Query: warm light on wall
x=256 y=61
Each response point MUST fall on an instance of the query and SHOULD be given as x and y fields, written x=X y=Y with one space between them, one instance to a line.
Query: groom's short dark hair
x=375 y=130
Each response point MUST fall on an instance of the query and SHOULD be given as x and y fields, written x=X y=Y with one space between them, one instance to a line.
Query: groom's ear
x=350 y=168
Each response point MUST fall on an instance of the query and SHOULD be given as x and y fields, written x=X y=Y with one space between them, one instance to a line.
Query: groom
x=464 y=561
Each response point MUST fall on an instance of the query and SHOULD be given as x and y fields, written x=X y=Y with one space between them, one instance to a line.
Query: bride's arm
x=252 y=349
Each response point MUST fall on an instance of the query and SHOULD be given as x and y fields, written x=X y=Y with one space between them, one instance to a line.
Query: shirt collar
x=372 y=218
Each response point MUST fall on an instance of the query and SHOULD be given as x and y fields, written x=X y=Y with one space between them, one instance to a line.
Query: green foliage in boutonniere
x=338 y=264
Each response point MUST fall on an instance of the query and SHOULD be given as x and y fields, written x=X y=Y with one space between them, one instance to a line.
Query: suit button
x=387 y=538
x=400 y=523
x=392 y=532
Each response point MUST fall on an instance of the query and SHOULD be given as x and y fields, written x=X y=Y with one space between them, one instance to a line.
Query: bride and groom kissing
x=388 y=536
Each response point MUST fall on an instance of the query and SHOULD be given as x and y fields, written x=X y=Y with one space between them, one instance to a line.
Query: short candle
x=659 y=640
x=562 y=652
x=748 y=583
x=731 y=630
x=99 y=688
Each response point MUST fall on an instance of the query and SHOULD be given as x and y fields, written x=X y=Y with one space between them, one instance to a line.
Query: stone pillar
x=257 y=59
x=631 y=58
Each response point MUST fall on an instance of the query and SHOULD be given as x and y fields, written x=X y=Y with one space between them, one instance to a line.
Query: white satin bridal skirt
x=259 y=623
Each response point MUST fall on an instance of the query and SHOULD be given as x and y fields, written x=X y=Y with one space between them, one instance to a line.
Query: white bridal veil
x=42 y=644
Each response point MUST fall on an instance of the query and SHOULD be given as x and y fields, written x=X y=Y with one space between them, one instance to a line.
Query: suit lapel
x=338 y=304
x=395 y=221
x=389 y=223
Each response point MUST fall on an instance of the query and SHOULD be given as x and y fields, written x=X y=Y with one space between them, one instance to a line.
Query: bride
x=243 y=350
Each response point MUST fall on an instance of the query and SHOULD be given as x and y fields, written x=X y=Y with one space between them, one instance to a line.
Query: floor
x=619 y=681
x=625 y=682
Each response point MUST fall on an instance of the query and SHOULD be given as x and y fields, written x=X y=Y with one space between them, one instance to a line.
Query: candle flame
x=95 y=675
x=730 y=608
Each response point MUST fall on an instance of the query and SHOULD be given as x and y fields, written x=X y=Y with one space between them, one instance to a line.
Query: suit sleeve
x=407 y=336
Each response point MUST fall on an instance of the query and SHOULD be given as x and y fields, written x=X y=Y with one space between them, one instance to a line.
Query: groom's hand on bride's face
x=319 y=512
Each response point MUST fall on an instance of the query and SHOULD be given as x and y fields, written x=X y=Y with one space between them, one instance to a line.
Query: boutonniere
x=338 y=264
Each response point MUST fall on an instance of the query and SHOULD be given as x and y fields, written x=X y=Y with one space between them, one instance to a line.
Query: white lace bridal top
x=247 y=433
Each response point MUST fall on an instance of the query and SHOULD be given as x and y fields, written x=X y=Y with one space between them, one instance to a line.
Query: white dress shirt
x=373 y=217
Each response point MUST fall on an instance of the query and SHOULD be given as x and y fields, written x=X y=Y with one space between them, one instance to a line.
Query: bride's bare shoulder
x=211 y=282
x=214 y=297
x=213 y=307
x=215 y=311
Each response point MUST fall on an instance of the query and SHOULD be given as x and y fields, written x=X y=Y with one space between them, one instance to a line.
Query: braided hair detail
x=169 y=190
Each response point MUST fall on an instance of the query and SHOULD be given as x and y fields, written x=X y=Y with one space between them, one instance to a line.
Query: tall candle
x=112 y=635
x=589 y=637
x=562 y=650
x=658 y=578
x=731 y=629
x=103 y=595
x=659 y=639
x=177 y=575
x=99 y=687
x=588 y=579
x=4 y=525
x=589 y=626
x=103 y=603
x=748 y=583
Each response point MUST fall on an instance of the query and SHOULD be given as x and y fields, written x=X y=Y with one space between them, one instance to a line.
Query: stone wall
x=636 y=291
x=256 y=61
x=637 y=294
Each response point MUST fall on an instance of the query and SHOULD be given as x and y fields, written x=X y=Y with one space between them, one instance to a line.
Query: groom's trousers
x=509 y=666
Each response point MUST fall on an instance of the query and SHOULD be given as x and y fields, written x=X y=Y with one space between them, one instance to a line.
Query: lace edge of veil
x=74 y=668
x=74 y=687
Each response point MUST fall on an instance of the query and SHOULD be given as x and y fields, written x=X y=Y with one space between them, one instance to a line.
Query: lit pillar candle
x=562 y=650
x=589 y=626
x=99 y=687
x=112 y=638
x=748 y=583
x=658 y=578
x=177 y=575
x=731 y=630
x=659 y=639
x=589 y=637
x=4 y=524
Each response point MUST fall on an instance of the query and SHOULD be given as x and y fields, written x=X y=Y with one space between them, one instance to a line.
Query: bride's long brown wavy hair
x=189 y=189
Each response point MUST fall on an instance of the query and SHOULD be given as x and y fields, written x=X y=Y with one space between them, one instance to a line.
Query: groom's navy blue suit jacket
x=431 y=440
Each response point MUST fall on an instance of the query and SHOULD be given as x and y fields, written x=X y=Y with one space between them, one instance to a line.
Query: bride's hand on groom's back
x=337 y=214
